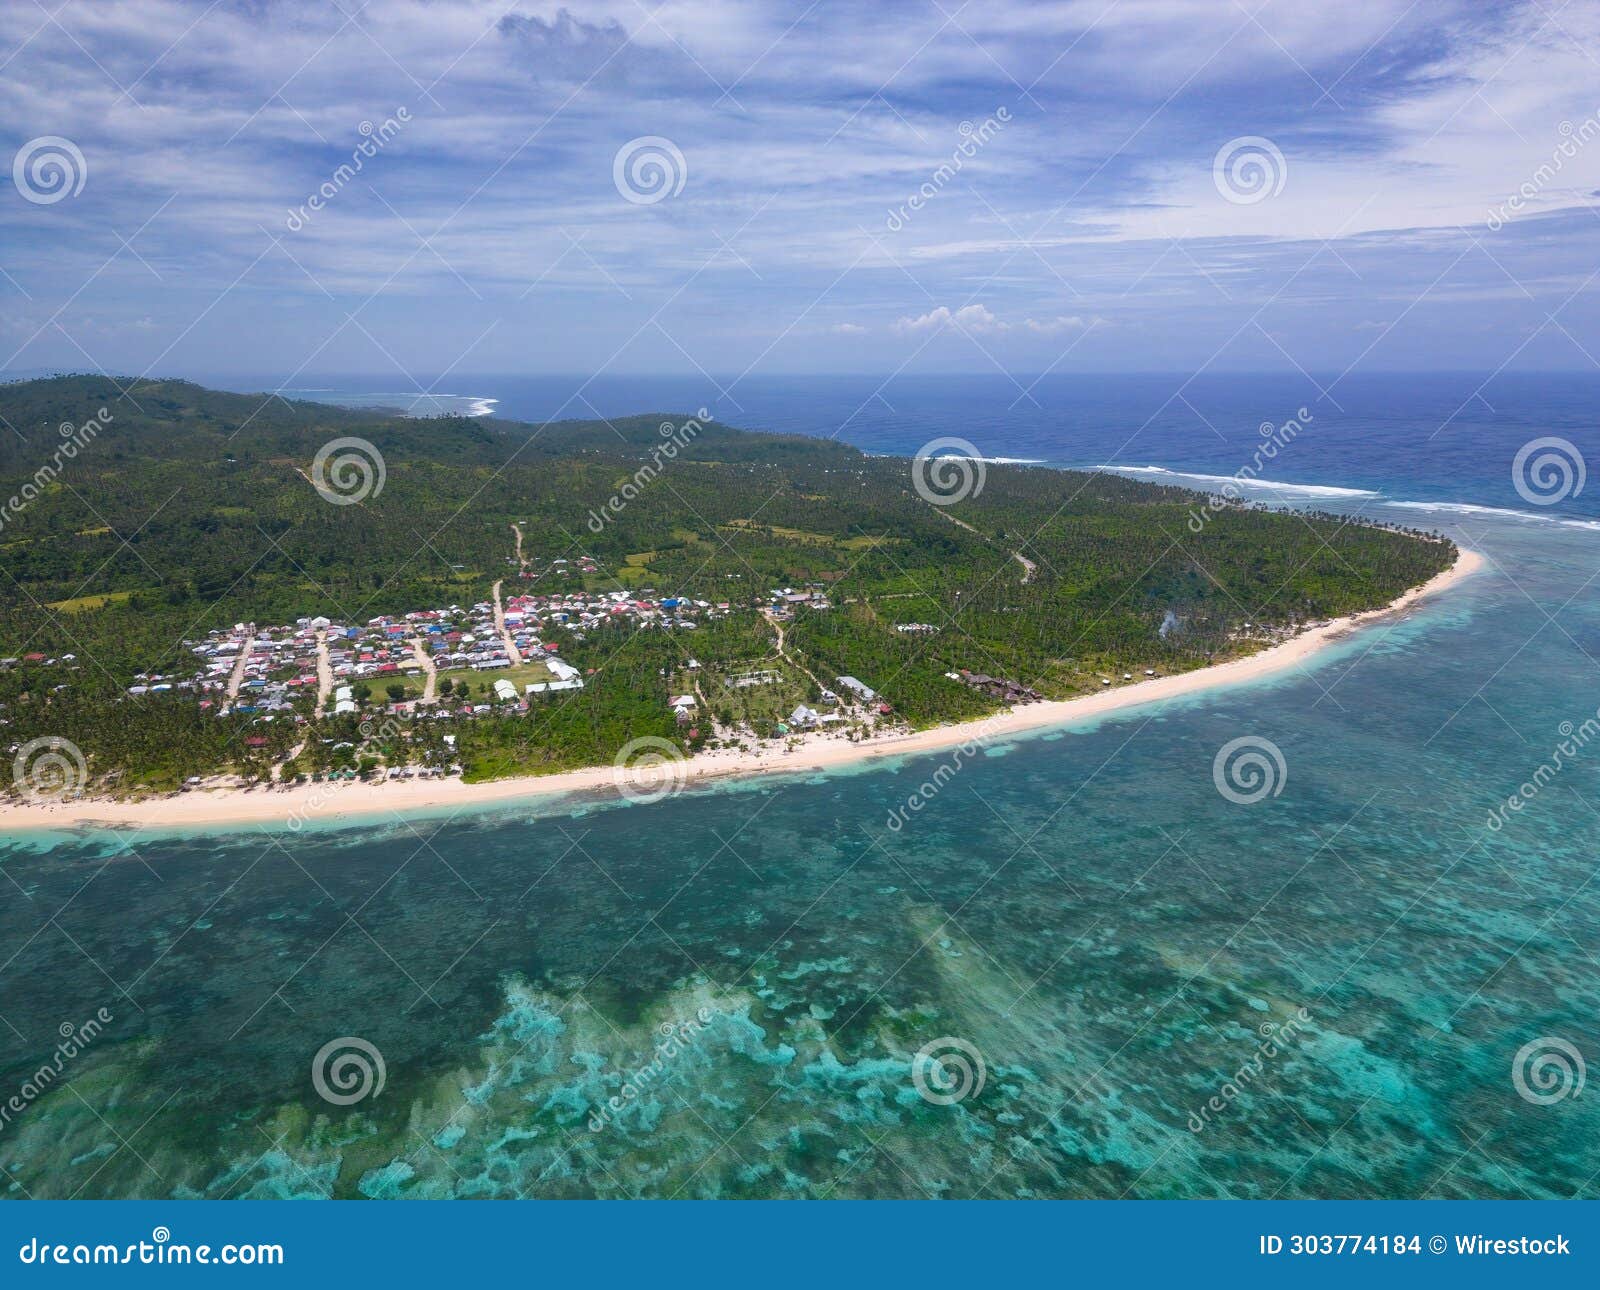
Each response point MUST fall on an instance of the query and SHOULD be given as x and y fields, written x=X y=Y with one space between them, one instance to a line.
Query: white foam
x=1265 y=485
x=1499 y=512
x=1322 y=490
x=1467 y=508
x=410 y=404
x=475 y=405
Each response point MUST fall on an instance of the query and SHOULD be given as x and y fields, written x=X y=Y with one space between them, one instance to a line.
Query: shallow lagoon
x=1124 y=948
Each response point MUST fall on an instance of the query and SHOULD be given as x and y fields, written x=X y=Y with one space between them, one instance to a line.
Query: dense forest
x=180 y=510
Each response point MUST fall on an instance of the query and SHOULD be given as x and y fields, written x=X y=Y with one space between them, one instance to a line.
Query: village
x=315 y=666
x=500 y=657
x=380 y=698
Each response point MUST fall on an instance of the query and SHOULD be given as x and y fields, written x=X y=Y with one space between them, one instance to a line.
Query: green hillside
x=190 y=510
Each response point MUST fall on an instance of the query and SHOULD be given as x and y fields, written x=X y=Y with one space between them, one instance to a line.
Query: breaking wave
x=1499 y=512
x=1327 y=490
x=1264 y=485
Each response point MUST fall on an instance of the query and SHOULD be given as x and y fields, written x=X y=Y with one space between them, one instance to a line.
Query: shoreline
x=325 y=803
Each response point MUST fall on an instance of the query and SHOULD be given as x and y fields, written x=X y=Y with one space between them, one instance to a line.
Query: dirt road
x=512 y=652
x=324 y=674
x=1029 y=568
x=236 y=677
x=430 y=685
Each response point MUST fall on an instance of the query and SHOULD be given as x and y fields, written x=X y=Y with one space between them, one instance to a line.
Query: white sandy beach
x=321 y=803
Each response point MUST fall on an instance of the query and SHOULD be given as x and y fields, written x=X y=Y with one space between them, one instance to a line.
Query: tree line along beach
x=282 y=641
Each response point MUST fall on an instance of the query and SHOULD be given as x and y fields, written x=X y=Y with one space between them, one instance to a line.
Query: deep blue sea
x=1432 y=437
x=1123 y=981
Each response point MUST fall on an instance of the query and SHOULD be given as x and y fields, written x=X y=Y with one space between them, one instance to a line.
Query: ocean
x=1101 y=961
x=1424 y=437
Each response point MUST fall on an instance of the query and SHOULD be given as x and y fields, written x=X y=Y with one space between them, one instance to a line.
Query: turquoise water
x=1321 y=993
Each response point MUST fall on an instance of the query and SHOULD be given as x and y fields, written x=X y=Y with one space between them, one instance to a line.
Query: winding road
x=1029 y=568
x=788 y=658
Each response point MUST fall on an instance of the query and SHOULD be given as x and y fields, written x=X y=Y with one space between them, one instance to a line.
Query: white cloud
x=972 y=318
x=1399 y=126
x=978 y=320
x=1049 y=326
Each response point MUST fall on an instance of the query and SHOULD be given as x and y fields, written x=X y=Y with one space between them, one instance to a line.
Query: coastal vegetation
x=191 y=510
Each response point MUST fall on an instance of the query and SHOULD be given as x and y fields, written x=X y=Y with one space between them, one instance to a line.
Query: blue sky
x=1088 y=225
